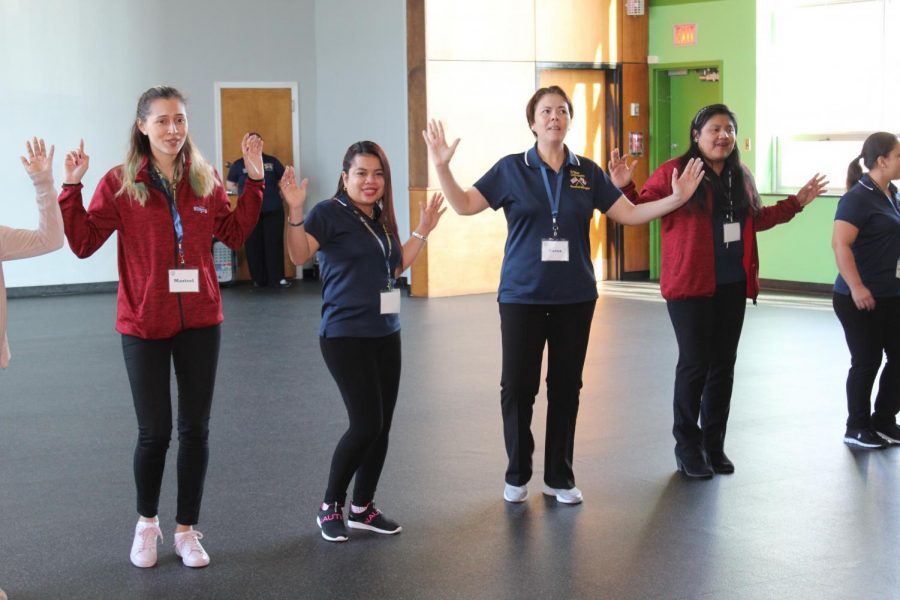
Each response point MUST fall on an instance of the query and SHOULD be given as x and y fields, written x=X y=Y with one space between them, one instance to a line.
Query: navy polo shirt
x=272 y=172
x=515 y=184
x=877 y=246
x=353 y=271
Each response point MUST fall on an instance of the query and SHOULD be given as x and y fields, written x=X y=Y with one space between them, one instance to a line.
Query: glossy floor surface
x=803 y=516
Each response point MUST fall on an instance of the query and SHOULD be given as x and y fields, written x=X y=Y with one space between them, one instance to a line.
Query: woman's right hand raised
x=76 y=165
x=685 y=184
x=294 y=195
x=439 y=151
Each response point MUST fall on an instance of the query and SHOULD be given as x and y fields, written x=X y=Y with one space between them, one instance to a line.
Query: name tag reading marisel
x=184 y=280
x=554 y=250
x=732 y=232
x=390 y=302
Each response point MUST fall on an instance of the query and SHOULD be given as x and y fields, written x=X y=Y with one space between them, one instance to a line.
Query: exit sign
x=685 y=34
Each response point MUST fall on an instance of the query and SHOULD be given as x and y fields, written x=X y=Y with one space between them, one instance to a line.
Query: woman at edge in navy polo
x=360 y=257
x=547 y=286
x=710 y=266
x=866 y=243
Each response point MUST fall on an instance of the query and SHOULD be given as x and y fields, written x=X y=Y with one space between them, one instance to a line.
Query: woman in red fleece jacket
x=166 y=203
x=710 y=266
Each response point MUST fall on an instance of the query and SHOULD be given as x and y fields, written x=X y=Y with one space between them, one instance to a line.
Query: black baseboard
x=37 y=291
x=636 y=276
x=796 y=287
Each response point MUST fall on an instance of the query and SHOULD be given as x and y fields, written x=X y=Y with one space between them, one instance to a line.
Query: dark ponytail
x=877 y=144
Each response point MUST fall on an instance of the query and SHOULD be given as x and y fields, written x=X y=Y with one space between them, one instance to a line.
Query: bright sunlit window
x=826 y=79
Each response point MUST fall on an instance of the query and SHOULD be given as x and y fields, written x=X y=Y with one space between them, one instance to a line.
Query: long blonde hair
x=201 y=174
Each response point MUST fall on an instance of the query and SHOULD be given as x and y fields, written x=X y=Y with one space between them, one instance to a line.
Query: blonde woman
x=166 y=203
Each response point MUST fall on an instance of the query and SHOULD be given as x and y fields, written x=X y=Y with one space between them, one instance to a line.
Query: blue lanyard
x=554 y=200
x=173 y=209
x=386 y=251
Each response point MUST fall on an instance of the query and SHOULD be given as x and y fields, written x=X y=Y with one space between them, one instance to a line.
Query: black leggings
x=195 y=353
x=871 y=335
x=708 y=331
x=367 y=373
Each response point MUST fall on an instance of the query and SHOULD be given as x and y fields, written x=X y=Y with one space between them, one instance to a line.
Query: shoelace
x=148 y=537
x=190 y=541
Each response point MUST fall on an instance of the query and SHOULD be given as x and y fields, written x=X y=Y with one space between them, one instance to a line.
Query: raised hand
x=252 y=147
x=439 y=151
x=38 y=161
x=430 y=214
x=294 y=195
x=620 y=171
x=76 y=165
x=815 y=187
x=684 y=185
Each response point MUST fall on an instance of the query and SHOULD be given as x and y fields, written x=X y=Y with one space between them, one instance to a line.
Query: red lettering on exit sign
x=685 y=34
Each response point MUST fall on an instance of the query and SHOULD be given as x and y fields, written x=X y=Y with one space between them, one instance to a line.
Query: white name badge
x=390 y=302
x=184 y=280
x=898 y=268
x=554 y=250
x=732 y=232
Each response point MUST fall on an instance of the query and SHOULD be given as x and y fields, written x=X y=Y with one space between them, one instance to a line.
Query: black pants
x=708 y=331
x=195 y=353
x=871 y=334
x=525 y=328
x=367 y=373
x=265 y=249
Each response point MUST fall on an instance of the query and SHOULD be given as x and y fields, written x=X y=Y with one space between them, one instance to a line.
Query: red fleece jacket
x=147 y=249
x=688 y=267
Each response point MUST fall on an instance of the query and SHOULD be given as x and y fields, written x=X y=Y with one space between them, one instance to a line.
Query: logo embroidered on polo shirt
x=200 y=209
x=577 y=180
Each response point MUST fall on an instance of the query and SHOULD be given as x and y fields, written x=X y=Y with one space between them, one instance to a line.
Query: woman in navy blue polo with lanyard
x=866 y=243
x=360 y=257
x=547 y=286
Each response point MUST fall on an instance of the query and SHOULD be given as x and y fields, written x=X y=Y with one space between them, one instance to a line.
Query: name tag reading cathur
x=184 y=280
x=554 y=250
x=732 y=232
x=390 y=302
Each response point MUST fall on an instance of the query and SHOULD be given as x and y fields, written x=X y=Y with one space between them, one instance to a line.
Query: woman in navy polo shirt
x=356 y=236
x=547 y=286
x=866 y=243
x=710 y=266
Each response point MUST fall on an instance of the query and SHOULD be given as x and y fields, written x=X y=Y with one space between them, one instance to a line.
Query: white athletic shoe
x=569 y=496
x=515 y=493
x=187 y=546
x=143 y=550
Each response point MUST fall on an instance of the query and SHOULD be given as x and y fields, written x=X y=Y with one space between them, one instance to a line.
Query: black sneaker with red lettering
x=372 y=520
x=331 y=522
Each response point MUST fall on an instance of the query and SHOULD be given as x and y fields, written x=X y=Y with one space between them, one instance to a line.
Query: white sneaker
x=515 y=493
x=569 y=496
x=187 y=546
x=143 y=550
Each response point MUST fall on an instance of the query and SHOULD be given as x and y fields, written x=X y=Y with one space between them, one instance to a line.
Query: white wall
x=75 y=69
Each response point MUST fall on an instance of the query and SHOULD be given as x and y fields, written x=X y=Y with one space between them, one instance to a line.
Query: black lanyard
x=386 y=251
x=554 y=200
x=173 y=209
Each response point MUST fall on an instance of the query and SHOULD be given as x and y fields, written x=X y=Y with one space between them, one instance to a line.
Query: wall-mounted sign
x=634 y=8
x=685 y=34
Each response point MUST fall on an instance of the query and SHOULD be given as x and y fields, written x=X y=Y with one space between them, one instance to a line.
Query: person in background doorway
x=265 y=246
x=866 y=243
x=355 y=234
x=710 y=266
x=547 y=285
x=166 y=203
x=24 y=243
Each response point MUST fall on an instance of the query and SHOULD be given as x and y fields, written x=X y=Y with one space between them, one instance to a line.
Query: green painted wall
x=726 y=32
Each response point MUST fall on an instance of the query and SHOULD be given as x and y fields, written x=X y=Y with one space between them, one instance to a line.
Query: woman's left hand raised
x=251 y=147
x=430 y=214
x=620 y=171
x=38 y=159
x=813 y=188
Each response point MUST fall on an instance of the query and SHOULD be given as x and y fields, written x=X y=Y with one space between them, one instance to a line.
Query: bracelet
x=292 y=224
x=419 y=236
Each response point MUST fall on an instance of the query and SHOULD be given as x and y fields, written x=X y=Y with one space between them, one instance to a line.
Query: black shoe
x=372 y=520
x=864 y=438
x=889 y=433
x=720 y=462
x=694 y=464
x=331 y=522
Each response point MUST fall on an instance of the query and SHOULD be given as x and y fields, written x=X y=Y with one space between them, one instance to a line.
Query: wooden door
x=588 y=137
x=268 y=112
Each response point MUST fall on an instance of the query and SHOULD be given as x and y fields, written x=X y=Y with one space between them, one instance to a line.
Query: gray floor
x=803 y=517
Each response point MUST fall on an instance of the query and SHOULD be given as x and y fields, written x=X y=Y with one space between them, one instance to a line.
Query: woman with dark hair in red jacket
x=710 y=266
